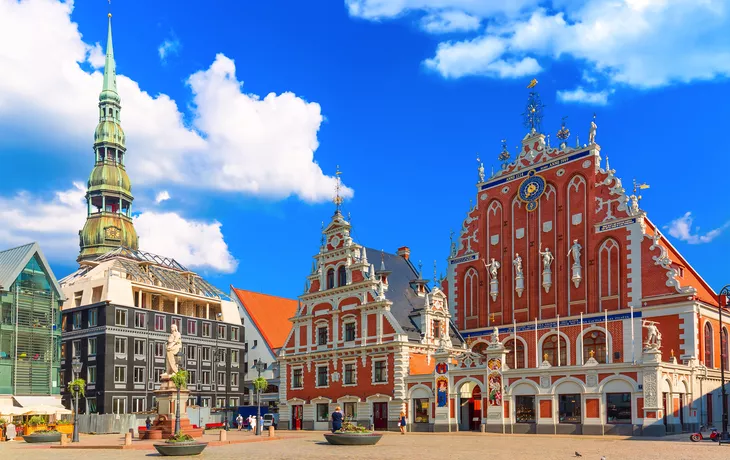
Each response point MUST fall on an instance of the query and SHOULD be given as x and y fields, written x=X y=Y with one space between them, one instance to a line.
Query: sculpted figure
x=174 y=344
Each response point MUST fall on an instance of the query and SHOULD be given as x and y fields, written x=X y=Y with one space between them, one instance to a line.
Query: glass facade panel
x=525 y=409
x=420 y=410
x=569 y=408
x=618 y=407
x=322 y=412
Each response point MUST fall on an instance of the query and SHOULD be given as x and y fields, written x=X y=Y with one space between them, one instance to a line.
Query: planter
x=32 y=429
x=150 y=434
x=42 y=437
x=65 y=429
x=177 y=449
x=352 y=439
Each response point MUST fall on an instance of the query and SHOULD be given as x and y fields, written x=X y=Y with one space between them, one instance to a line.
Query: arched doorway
x=470 y=407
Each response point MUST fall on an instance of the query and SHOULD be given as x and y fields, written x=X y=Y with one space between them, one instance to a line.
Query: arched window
x=723 y=349
x=480 y=348
x=471 y=293
x=550 y=350
x=709 y=361
x=341 y=276
x=519 y=353
x=594 y=341
x=330 y=278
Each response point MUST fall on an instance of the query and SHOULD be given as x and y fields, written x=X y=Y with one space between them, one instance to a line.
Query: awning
x=11 y=410
x=46 y=410
x=30 y=401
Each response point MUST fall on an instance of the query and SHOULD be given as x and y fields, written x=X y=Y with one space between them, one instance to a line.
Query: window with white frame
x=350 y=331
x=91 y=375
x=192 y=352
x=206 y=378
x=221 y=355
x=221 y=378
x=220 y=402
x=120 y=345
x=205 y=351
x=120 y=374
x=205 y=402
x=137 y=404
x=350 y=374
x=380 y=370
x=234 y=402
x=159 y=322
x=91 y=406
x=159 y=350
x=158 y=374
x=321 y=335
x=76 y=348
x=119 y=405
x=206 y=329
x=297 y=380
x=178 y=323
x=192 y=377
x=192 y=327
x=322 y=376
x=140 y=319
x=139 y=347
x=221 y=331
x=234 y=356
x=120 y=317
x=91 y=343
x=138 y=375
x=93 y=317
x=234 y=379
x=76 y=320
x=234 y=334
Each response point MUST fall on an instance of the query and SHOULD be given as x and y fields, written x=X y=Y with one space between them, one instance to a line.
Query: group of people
x=338 y=417
x=250 y=422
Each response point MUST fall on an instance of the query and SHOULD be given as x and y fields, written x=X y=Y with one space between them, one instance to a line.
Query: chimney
x=404 y=252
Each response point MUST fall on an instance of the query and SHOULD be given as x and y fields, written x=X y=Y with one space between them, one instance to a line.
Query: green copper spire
x=109 y=194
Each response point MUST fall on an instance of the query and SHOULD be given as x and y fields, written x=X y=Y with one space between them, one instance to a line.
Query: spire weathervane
x=338 y=187
x=435 y=275
x=504 y=154
x=532 y=117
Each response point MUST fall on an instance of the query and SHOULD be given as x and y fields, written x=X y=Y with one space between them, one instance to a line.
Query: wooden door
x=380 y=415
x=297 y=416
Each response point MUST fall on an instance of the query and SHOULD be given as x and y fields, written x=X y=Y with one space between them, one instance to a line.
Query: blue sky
x=401 y=94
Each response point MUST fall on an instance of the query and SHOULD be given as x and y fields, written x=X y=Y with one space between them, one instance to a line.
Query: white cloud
x=681 y=228
x=581 y=96
x=639 y=43
x=168 y=47
x=194 y=244
x=55 y=223
x=162 y=196
x=449 y=21
x=238 y=142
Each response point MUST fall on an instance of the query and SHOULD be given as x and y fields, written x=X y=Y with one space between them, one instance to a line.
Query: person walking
x=239 y=422
x=253 y=424
x=148 y=423
x=402 y=422
x=10 y=432
x=337 y=417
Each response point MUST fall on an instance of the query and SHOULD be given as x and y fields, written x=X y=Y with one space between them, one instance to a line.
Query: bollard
x=64 y=440
x=222 y=435
x=483 y=428
x=272 y=432
x=127 y=439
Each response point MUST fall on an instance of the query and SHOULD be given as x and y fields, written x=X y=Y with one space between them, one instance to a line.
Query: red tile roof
x=270 y=315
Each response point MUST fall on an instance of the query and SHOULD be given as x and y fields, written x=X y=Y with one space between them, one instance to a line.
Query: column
x=335 y=328
x=363 y=327
x=497 y=420
x=653 y=408
x=207 y=311
x=379 y=326
x=176 y=305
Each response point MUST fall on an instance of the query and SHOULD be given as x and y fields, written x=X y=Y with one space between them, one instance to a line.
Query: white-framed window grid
x=346 y=373
x=297 y=377
x=120 y=317
x=138 y=374
x=379 y=371
x=120 y=374
x=322 y=376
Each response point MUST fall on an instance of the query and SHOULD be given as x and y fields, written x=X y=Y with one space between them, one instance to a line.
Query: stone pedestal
x=444 y=397
x=653 y=408
x=496 y=356
x=166 y=404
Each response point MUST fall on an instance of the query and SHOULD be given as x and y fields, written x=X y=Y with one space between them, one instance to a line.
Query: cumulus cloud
x=639 y=43
x=162 y=196
x=55 y=221
x=238 y=142
x=581 y=96
x=171 y=46
x=449 y=21
x=681 y=228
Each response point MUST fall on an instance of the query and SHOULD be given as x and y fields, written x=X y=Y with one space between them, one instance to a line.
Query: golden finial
x=545 y=356
x=492 y=320
x=338 y=186
x=671 y=352
x=110 y=15
x=532 y=84
x=592 y=353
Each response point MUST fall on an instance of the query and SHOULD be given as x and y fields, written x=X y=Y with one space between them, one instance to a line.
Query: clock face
x=531 y=189
x=112 y=233
x=335 y=241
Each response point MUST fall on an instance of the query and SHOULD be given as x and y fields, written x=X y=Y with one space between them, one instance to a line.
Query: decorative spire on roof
x=109 y=89
x=435 y=275
x=504 y=154
x=532 y=116
x=420 y=270
x=322 y=239
x=338 y=186
x=563 y=133
x=382 y=260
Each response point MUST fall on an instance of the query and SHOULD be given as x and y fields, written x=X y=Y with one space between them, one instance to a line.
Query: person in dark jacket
x=148 y=423
x=337 y=418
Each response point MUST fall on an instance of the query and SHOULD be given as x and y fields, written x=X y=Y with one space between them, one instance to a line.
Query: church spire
x=109 y=89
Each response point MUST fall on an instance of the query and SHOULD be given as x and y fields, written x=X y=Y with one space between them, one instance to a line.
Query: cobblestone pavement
x=419 y=447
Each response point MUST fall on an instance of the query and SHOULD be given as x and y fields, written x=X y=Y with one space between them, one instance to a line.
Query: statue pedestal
x=166 y=404
x=653 y=408
x=496 y=421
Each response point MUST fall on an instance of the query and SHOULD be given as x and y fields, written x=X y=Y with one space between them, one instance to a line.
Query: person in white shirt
x=239 y=422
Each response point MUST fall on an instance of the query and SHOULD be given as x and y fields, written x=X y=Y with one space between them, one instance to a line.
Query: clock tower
x=109 y=194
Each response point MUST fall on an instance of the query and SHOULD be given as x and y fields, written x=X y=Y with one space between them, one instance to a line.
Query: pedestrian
x=248 y=423
x=239 y=422
x=10 y=433
x=148 y=423
x=337 y=418
x=253 y=424
x=402 y=422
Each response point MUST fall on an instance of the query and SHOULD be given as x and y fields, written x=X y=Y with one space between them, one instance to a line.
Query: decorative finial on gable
x=435 y=275
x=382 y=260
x=322 y=239
x=338 y=185
x=420 y=270
x=532 y=116
x=504 y=154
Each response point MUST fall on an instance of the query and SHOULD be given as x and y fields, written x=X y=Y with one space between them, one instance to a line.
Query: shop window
x=330 y=278
x=709 y=359
x=420 y=410
x=515 y=356
x=350 y=410
x=342 y=276
x=618 y=407
x=550 y=347
x=569 y=408
x=323 y=412
x=525 y=409
x=594 y=341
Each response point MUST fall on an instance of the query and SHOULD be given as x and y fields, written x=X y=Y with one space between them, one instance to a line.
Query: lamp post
x=218 y=354
x=260 y=367
x=180 y=357
x=722 y=303
x=76 y=368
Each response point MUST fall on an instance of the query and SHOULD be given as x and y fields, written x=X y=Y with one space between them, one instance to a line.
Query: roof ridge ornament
x=563 y=134
x=532 y=116
x=504 y=154
x=338 y=186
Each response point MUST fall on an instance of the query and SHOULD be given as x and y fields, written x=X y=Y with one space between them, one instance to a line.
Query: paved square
x=412 y=446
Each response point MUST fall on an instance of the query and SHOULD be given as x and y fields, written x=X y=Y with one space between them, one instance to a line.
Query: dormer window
x=341 y=276
x=436 y=329
x=330 y=278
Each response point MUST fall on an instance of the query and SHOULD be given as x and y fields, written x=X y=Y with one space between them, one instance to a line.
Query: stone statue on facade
x=547 y=274
x=493 y=266
x=654 y=337
x=519 y=276
x=592 y=133
x=634 y=205
x=577 y=269
x=174 y=344
x=495 y=335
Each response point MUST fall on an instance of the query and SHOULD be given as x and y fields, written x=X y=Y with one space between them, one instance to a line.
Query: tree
x=77 y=383
x=260 y=384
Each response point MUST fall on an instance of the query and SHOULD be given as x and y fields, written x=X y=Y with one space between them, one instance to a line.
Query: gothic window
x=709 y=358
x=609 y=272
x=471 y=293
x=723 y=347
x=550 y=348
x=341 y=276
x=515 y=357
x=330 y=278
x=594 y=341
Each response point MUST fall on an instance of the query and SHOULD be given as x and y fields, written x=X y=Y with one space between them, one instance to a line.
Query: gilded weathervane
x=338 y=198
x=532 y=117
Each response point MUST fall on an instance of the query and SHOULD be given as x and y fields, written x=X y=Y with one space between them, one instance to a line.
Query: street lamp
x=260 y=367
x=218 y=354
x=76 y=368
x=180 y=358
x=722 y=303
